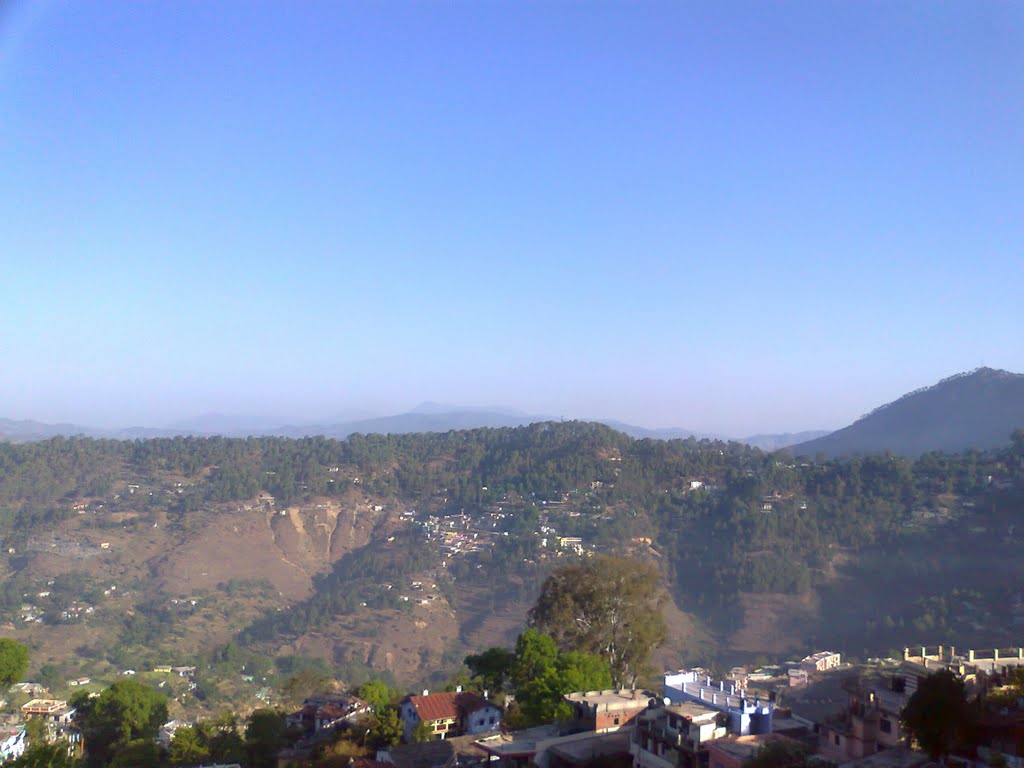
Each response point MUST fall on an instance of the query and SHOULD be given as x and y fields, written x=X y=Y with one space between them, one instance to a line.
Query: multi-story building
x=745 y=715
x=606 y=711
x=870 y=722
x=52 y=710
x=676 y=735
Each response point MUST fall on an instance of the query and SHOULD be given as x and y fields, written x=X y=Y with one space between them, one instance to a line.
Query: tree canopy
x=125 y=712
x=492 y=668
x=377 y=694
x=42 y=755
x=538 y=675
x=938 y=716
x=13 y=662
x=609 y=606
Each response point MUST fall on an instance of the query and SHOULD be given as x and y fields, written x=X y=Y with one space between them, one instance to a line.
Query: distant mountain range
x=979 y=410
x=970 y=410
x=427 y=417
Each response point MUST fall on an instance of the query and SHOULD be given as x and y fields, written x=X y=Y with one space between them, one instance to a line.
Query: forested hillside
x=335 y=549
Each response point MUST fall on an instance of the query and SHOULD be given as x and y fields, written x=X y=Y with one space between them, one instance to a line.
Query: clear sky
x=732 y=217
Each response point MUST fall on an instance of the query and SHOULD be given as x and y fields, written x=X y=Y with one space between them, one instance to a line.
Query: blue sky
x=732 y=217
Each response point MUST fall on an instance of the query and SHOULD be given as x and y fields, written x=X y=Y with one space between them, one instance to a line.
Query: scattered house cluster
x=470 y=532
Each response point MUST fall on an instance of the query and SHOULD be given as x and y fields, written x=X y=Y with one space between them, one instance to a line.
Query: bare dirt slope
x=287 y=547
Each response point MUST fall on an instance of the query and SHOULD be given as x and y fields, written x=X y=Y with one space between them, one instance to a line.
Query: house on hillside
x=325 y=712
x=32 y=689
x=52 y=710
x=450 y=714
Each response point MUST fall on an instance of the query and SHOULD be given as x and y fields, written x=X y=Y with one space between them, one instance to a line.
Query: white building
x=12 y=743
x=822 y=661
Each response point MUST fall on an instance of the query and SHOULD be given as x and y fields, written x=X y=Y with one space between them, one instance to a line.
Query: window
x=616 y=721
x=491 y=721
x=885 y=725
x=837 y=739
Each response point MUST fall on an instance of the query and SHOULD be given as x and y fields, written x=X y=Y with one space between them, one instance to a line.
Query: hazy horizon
x=264 y=420
x=730 y=218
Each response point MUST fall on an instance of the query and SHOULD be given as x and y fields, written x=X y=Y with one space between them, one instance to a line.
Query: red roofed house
x=325 y=712
x=450 y=714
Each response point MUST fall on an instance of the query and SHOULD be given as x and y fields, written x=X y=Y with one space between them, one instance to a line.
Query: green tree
x=13 y=662
x=44 y=756
x=222 y=739
x=386 y=727
x=542 y=675
x=938 y=716
x=127 y=711
x=188 y=747
x=422 y=732
x=492 y=668
x=375 y=693
x=36 y=731
x=139 y=753
x=610 y=606
x=305 y=682
x=52 y=676
x=265 y=735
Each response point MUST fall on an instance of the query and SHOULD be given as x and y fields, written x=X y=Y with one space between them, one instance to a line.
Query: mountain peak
x=975 y=409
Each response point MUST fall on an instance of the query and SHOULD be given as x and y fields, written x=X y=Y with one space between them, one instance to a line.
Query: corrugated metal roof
x=447 y=706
